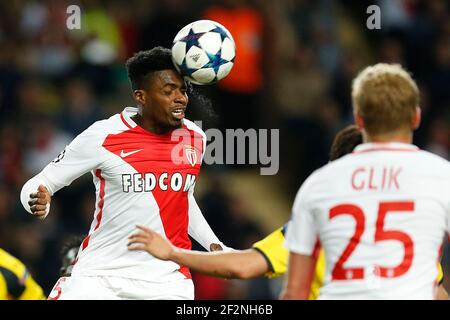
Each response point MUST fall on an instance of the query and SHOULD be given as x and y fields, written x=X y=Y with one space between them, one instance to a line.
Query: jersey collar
x=126 y=115
x=387 y=146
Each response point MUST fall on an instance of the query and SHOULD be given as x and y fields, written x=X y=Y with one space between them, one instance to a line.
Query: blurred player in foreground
x=144 y=162
x=16 y=283
x=268 y=256
x=381 y=213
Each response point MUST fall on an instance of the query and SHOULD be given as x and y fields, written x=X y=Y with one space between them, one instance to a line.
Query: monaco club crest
x=191 y=154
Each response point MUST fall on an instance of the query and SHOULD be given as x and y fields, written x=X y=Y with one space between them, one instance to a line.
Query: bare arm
x=240 y=264
x=299 y=277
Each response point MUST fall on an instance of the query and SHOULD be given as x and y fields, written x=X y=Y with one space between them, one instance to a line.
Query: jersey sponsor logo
x=126 y=154
x=147 y=182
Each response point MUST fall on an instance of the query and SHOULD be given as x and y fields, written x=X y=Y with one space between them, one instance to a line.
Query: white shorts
x=116 y=288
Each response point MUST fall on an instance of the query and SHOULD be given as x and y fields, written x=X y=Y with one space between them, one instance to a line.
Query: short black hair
x=345 y=141
x=143 y=63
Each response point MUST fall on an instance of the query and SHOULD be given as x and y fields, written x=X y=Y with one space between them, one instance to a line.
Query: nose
x=181 y=98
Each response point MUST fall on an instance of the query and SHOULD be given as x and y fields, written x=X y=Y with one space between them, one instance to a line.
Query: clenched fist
x=39 y=201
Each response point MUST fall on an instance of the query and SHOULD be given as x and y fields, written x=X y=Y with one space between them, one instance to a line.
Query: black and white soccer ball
x=203 y=52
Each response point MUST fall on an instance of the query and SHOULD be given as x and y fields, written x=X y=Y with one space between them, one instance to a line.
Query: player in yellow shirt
x=267 y=257
x=16 y=283
x=276 y=255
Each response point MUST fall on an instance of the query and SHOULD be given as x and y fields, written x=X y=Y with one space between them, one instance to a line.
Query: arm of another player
x=240 y=264
x=16 y=281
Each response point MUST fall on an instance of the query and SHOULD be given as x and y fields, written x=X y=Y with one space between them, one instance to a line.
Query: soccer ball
x=203 y=52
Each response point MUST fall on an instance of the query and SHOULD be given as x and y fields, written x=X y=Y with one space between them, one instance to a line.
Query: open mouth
x=178 y=113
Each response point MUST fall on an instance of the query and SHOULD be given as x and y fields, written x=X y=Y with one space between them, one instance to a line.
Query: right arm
x=299 y=277
x=79 y=157
x=238 y=264
x=301 y=239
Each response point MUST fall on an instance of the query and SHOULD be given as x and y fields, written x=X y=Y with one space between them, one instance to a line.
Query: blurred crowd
x=295 y=63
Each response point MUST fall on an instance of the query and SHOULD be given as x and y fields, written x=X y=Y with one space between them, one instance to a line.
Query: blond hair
x=386 y=98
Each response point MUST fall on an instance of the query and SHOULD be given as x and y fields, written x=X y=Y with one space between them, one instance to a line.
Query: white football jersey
x=140 y=178
x=381 y=214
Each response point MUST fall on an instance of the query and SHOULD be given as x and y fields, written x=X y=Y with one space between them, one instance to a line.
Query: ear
x=358 y=120
x=416 y=118
x=140 y=97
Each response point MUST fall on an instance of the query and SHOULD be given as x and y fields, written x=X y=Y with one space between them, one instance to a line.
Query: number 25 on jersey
x=384 y=208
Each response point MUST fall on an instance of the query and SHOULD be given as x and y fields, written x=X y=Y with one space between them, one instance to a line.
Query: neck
x=150 y=125
x=402 y=137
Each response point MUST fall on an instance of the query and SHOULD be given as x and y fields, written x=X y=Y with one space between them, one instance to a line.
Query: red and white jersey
x=140 y=178
x=381 y=214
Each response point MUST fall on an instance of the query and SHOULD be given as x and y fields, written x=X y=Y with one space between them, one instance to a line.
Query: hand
x=39 y=201
x=152 y=242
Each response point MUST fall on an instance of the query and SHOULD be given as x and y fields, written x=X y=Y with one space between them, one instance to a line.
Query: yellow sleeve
x=319 y=276
x=3 y=288
x=276 y=254
x=32 y=290
x=440 y=277
x=15 y=280
x=273 y=249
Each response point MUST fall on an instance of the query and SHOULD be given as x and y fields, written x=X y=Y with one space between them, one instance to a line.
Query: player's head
x=385 y=101
x=345 y=141
x=158 y=88
x=69 y=253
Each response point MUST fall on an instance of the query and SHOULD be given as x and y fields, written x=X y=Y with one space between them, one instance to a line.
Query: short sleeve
x=301 y=235
x=273 y=250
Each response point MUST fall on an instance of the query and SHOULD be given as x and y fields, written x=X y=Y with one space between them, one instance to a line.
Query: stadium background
x=293 y=71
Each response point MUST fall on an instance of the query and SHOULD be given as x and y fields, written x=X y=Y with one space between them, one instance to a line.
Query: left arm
x=199 y=228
